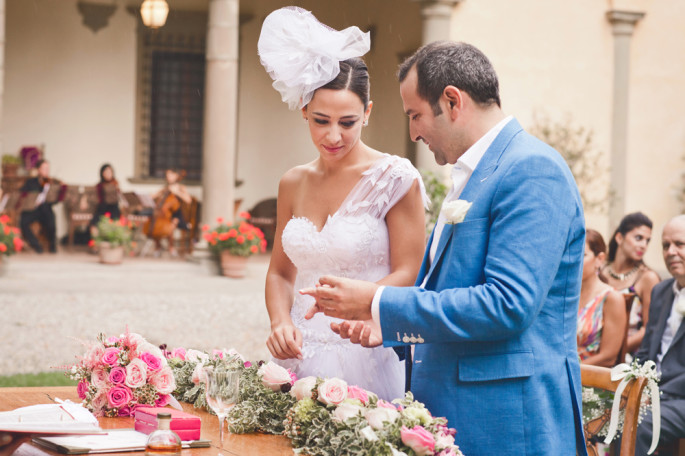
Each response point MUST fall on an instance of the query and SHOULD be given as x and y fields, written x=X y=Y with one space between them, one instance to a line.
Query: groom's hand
x=366 y=333
x=342 y=298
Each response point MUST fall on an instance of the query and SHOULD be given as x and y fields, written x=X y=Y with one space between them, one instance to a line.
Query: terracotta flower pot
x=111 y=254
x=233 y=265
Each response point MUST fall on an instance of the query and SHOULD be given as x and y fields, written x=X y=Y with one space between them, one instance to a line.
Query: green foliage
x=40 y=379
x=575 y=144
x=8 y=159
x=436 y=189
x=114 y=232
x=260 y=409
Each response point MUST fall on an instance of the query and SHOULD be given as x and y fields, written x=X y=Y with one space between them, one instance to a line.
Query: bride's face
x=335 y=119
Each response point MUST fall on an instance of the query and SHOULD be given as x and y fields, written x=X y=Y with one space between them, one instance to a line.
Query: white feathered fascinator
x=301 y=54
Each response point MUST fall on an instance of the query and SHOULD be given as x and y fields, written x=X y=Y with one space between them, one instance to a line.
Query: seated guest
x=41 y=212
x=602 y=316
x=664 y=342
x=627 y=272
x=108 y=195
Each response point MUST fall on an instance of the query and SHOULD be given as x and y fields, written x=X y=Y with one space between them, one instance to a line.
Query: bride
x=352 y=211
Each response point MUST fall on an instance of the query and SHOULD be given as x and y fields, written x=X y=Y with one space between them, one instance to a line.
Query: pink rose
x=355 y=392
x=333 y=391
x=163 y=400
x=385 y=404
x=418 y=439
x=449 y=452
x=117 y=375
x=99 y=403
x=127 y=410
x=111 y=356
x=136 y=373
x=163 y=381
x=303 y=387
x=273 y=375
x=153 y=363
x=179 y=353
x=112 y=340
x=82 y=389
x=247 y=364
x=99 y=378
x=217 y=354
x=118 y=396
x=93 y=357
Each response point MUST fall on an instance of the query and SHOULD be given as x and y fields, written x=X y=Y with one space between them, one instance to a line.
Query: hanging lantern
x=154 y=13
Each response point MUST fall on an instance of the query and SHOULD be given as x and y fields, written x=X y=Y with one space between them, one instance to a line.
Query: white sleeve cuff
x=376 y=304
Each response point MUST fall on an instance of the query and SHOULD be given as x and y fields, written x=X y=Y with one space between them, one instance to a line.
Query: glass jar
x=163 y=440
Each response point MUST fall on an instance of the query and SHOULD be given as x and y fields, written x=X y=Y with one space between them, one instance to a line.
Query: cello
x=161 y=224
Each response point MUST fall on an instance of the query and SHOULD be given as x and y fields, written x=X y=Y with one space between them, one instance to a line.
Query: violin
x=161 y=224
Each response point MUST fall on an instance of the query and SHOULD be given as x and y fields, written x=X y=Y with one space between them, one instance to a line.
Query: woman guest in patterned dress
x=626 y=271
x=602 y=317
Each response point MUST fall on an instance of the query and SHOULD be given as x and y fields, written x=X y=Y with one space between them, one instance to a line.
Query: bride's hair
x=353 y=76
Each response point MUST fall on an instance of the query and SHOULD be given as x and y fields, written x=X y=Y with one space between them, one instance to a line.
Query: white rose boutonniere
x=455 y=211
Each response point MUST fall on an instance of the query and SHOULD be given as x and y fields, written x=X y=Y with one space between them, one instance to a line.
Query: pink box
x=186 y=425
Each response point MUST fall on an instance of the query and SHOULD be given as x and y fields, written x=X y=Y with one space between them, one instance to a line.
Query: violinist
x=168 y=214
x=108 y=197
x=39 y=187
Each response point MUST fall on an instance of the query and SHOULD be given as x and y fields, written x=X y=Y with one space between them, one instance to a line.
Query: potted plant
x=112 y=238
x=10 y=242
x=234 y=243
x=10 y=165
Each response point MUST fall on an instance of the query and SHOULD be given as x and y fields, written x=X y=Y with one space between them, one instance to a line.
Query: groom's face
x=424 y=125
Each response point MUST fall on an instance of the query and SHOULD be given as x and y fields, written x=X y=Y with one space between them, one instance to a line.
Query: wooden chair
x=79 y=206
x=187 y=238
x=600 y=377
x=629 y=299
x=263 y=216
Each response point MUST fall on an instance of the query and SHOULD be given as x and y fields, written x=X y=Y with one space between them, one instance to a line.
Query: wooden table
x=234 y=444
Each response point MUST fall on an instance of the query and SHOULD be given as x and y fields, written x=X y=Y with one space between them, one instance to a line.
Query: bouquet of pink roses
x=117 y=374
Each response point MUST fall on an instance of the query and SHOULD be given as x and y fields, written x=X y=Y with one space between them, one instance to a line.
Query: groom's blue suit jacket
x=496 y=322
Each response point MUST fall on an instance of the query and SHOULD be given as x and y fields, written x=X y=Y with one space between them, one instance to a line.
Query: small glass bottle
x=163 y=440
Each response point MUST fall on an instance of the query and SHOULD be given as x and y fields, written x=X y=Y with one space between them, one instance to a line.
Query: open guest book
x=61 y=418
x=115 y=440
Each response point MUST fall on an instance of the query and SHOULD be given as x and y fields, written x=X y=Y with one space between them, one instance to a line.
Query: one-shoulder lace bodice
x=353 y=243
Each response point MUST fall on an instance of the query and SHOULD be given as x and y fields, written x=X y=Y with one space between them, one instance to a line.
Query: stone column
x=2 y=72
x=623 y=24
x=221 y=111
x=436 y=16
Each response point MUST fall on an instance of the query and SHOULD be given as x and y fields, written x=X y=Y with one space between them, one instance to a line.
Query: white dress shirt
x=673 y=322
x=461 y=172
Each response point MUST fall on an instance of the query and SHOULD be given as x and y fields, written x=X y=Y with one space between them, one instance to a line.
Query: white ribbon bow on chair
x=625 y=373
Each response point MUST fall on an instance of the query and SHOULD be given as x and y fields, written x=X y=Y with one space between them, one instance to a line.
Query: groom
x=493 y=313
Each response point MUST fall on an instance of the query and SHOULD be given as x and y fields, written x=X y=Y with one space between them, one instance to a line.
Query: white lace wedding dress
x=353 y=243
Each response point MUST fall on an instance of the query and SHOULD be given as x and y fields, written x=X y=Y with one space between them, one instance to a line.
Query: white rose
x=443 y=441
x=395 y=452
x=455 y=211
x=333 y=391
x=376 y=417
x=195 y=356
x=273 y=375
x=199 y=375
x=346 y=410
x=368 y=434
x=303 y=388
x=234 y=353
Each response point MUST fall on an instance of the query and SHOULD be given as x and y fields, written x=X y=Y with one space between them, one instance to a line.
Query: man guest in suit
x=664 y=341
x=493 y=313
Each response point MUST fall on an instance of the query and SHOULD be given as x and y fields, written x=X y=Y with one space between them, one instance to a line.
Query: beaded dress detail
x=353 y=243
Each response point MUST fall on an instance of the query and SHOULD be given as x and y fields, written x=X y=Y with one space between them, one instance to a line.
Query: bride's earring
x=366 y=123
x=306 y=120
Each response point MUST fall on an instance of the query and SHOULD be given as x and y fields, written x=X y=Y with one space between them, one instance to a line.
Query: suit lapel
x=655 y=347
x=425 y=264
x=486 y=166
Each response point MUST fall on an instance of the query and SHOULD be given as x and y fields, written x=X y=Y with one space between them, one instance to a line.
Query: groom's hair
x=461 y=65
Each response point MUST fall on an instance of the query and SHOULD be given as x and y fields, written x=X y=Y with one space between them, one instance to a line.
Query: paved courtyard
x=50 y=303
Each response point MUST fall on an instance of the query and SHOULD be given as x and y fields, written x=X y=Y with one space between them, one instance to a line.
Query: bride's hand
x=285 y=342
x=341 y=298
x=366 y=333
